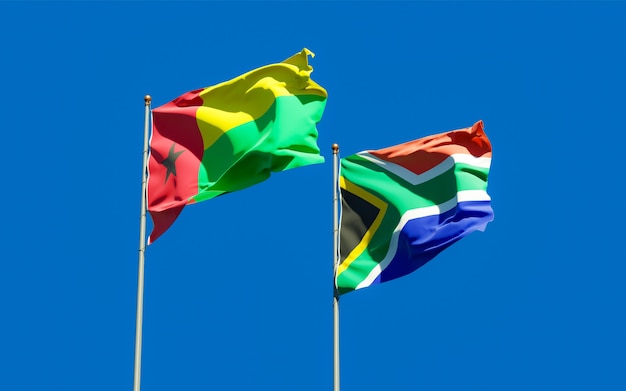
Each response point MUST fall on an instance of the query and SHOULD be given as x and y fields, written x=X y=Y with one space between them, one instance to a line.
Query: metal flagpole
x=335 y=265
x=142 y=248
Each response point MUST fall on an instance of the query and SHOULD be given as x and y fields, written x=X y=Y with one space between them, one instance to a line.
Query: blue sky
x=238 y=292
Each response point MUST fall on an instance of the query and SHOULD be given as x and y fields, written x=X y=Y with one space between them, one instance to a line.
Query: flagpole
x=335 y=265
x=142 y=248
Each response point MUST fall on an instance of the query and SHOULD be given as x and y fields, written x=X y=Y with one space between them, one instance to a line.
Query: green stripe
x=284 y=137
x=355 y=273
x=405 y=196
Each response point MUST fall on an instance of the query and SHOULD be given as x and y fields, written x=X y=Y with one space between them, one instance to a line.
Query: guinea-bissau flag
x=403 y=205
x=230 y=136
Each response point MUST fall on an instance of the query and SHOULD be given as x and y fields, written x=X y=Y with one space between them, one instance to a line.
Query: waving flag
x=403 y=205
x=231 y=136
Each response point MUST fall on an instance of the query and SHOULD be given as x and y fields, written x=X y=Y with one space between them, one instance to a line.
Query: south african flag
x=403 y=205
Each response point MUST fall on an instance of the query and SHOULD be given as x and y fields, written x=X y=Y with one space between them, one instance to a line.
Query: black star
x=170 y=162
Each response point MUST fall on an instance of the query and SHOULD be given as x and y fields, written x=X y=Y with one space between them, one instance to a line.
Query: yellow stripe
x=247 y=97
x=372 y=199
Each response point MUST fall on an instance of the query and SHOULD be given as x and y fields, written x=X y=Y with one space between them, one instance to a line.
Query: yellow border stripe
x=372 y=199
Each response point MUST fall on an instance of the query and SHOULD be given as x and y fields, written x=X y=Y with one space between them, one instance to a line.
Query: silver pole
x=335 y=265
x=142 y=248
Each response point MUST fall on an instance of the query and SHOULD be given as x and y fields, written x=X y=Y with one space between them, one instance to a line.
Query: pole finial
x=147 y=99
x=335 y=148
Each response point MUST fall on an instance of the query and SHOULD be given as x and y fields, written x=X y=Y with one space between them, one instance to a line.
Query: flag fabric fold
x=403 y=205
x=230 y=136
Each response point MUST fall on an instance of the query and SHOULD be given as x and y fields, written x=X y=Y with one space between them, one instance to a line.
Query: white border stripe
x=415 y=179
x=462 y=196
